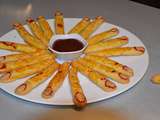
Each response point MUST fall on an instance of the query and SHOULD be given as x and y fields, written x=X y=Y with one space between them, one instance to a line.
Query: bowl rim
x=66 y=36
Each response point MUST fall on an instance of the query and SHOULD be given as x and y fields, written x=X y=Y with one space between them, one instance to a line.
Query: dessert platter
x=70 y=61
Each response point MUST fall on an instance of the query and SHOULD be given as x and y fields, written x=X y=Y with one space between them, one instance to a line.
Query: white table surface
x=142 y=102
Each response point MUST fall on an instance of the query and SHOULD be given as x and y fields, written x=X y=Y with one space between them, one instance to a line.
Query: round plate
x=92 y=92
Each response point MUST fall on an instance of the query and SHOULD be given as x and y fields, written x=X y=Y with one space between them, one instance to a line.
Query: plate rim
x=91 y=101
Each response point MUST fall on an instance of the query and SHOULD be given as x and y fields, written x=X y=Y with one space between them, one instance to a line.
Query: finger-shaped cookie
x=80 y=25
x=12 y=46
x=78 y=96
x=24 y=71
x=109 y=72
x=56 y=82
x=21 y=56
x=59 y=23
x=9 y=66
x=92 y=27
x=156 y=78
x=123 y=51
x=13 y=57
x=112 y=64
x=112 y=43
x=36 y=80
x=27 y=37
x=37 y=31
x=45 y=27
x=102 y=36
x=99 y=79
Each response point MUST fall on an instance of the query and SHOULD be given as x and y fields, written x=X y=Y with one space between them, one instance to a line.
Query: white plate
x=92 y=92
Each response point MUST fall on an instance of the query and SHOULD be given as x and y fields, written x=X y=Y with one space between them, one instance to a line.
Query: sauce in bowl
x=67 y=45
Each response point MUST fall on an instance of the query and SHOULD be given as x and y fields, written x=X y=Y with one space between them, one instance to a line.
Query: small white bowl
x=68 y=55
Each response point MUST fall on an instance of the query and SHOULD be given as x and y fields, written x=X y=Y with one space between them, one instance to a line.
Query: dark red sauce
x=67 y=45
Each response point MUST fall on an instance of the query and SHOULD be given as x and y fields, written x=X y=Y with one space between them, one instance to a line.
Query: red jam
x=67 y=45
